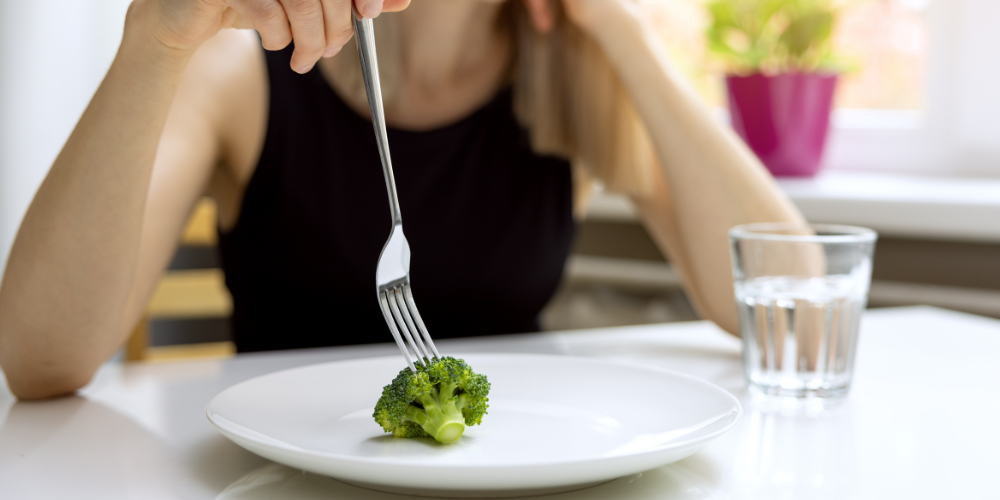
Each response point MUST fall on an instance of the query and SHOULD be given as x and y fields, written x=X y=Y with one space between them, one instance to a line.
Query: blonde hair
x=566 y=94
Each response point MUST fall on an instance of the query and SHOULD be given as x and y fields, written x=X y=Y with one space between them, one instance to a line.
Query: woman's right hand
x=319 y=28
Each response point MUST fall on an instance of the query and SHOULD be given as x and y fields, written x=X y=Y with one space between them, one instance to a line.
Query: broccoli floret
x=437 y=401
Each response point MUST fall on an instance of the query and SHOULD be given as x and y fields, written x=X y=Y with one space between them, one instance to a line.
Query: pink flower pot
x=783 y=118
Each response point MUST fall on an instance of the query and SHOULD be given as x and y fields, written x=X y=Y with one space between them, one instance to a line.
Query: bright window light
x=886 y=40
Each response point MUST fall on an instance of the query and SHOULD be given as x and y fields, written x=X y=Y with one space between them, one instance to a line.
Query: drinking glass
x=800 y=290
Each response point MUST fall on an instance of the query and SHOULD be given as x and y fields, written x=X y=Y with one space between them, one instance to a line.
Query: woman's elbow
x=724 y=315
x=728 y=324
x=32 y=386
x=29 y=379
x=48 y=389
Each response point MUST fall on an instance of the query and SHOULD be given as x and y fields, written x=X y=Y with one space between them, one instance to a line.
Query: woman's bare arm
x=709 y=180
x=210 y=144
x=70 y=292
x=106 y=219
x=74 y=259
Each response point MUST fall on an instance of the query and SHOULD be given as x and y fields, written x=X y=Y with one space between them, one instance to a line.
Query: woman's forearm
x=72 y=264
x=714 y=181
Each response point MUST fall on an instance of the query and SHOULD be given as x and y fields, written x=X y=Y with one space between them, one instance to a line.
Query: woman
x=502 y=114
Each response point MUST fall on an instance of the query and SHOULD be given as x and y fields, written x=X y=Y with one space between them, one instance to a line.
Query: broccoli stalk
x=438 y=401
x=441 y=413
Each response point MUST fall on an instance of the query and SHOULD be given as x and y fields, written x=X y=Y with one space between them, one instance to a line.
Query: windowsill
x=899 y=205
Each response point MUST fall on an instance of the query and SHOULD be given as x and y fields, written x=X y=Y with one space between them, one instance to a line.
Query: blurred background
x=913 y=152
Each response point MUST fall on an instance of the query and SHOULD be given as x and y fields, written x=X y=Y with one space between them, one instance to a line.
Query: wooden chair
x=187 y=294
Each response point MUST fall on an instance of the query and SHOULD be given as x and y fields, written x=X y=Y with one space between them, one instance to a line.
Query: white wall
x=53 y=55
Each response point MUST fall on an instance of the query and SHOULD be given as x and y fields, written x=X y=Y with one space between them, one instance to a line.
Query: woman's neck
x=446 y=41
x=453 y=57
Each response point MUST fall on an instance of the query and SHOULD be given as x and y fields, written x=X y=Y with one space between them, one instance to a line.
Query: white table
x=921 y=422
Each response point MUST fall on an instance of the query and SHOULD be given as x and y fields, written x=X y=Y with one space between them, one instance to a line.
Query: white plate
x=555 y=423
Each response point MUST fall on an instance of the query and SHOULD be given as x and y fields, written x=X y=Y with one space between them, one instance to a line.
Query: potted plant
x=780 y=78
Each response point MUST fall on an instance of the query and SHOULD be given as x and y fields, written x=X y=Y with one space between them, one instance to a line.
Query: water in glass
x=800 y=333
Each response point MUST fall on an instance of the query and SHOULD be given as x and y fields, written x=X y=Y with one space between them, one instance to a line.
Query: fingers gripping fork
x=392 y=277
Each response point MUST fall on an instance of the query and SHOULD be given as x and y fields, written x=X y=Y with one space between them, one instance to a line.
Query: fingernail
x=373 y=9
x=332 y=51
x=305 y=69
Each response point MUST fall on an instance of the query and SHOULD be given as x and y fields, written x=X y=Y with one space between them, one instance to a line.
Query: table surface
x=920 y=422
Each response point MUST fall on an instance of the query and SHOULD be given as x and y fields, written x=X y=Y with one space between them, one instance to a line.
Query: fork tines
x=402 y=316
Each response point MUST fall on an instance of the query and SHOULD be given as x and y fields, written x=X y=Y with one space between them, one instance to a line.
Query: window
x=888 y=39
x=924 y=97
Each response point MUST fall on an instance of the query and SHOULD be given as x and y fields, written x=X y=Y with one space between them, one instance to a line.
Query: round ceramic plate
x=555 y=423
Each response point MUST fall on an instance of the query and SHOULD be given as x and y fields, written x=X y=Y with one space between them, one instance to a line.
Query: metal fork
x=392 y=278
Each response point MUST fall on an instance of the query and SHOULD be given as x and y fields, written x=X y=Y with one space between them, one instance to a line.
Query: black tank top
x=489 y=223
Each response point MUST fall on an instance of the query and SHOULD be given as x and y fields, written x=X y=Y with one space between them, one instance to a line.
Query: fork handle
x=369 y=69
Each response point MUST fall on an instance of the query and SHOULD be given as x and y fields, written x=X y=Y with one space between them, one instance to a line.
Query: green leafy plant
x=773 y=36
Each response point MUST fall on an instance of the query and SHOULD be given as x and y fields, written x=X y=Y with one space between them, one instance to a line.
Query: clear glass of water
x=800 y=290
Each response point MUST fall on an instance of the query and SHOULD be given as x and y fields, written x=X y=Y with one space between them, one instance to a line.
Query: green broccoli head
x=437 y=401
